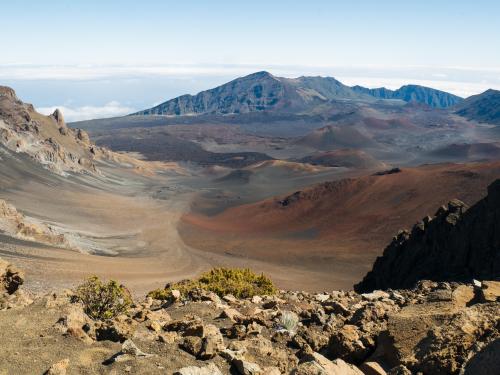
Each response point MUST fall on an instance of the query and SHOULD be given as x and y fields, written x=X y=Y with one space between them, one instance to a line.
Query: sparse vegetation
x=242 y=283
x=289 y=321
x=103 y=300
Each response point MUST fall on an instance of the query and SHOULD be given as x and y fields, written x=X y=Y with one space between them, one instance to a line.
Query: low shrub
x=103 y=300
x=240 y=282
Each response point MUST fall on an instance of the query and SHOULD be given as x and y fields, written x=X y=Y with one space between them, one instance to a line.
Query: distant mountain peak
x=262 y=91
x=412 y=93
x=259 y=91
x=484 y=107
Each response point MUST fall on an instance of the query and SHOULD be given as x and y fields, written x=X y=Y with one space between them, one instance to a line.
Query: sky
x=106 y=58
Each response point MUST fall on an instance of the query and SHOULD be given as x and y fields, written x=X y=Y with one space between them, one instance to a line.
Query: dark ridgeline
x=457 y=244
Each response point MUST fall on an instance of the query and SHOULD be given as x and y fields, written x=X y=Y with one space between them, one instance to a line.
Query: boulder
x=438 y=338
x=247 y=368
x=118 y=329
x=490 y=291
x=192 y=345
x=58 y=368
x=211 y=369
x=399 y=370
x=486 y=361
x=346 y=344
x=168 y=337
x=58 y=116
x=11 y=278
x=316 y=364
x=372 y=368
x=76 y=323
x=212 y=342
x=231 y=314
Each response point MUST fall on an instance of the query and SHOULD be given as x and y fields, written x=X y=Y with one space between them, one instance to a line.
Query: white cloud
x=463 y=81
x=463 y=89
x=111 y=109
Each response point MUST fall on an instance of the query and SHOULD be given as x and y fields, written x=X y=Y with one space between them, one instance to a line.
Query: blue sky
x=98 y=56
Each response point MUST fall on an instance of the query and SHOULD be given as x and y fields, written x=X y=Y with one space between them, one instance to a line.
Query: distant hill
x=484 y=107
x=413 y=94
x=331 y=137
x=344 y=157
x=259 y=91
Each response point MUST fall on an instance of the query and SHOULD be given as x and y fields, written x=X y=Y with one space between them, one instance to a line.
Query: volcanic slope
x=69 y=208
x=337 y=227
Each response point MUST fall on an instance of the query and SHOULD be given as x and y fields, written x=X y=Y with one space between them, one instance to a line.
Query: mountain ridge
x=484 y=107
x=262 y=91
x=413 y=93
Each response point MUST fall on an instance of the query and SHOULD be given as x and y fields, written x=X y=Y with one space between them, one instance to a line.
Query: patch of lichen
x=240 y=282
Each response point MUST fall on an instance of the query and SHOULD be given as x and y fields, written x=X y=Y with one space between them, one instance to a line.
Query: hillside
x=457 y=243
x=484 y=107
x=348 y=158
x=336 y=228
x=331 y=137
x=46 y=139
x=413 y=93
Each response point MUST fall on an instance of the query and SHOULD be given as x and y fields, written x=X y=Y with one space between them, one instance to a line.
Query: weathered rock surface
x=457 y=244
x=11 y=278
x=435 y=328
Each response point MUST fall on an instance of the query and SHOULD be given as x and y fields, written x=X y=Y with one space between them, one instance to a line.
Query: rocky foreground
x=435 y=328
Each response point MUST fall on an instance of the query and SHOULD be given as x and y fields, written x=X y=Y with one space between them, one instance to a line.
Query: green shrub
x=241 y=283
x=103 y=300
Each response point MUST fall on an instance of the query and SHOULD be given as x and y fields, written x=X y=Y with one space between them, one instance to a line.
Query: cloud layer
x=111 y=109
x=463 y=81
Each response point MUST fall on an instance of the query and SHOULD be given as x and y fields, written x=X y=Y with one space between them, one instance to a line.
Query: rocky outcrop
x=436 y=328
x=15 y=224
x=11 y=278
x=46 y=139
x=458 y=243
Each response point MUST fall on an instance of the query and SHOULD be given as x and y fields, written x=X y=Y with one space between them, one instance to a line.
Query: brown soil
x=337 y=228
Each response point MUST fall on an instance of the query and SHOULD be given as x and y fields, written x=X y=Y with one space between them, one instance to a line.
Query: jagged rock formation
x=413 y=94
x=458 y=243
x=50 y=142
x=46 y=139
x=484 y=107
